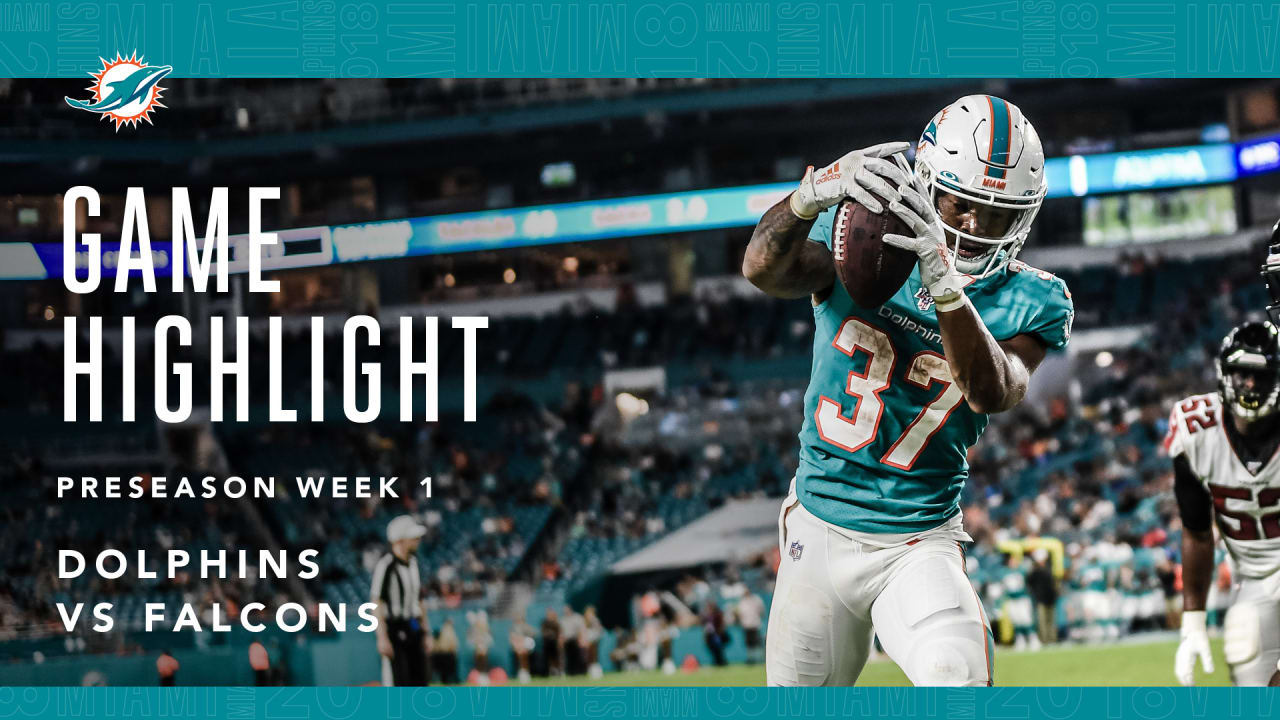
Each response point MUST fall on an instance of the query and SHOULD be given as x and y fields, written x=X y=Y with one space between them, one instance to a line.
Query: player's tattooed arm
x=782 y=262
x=992 y=375
x=1195 y=508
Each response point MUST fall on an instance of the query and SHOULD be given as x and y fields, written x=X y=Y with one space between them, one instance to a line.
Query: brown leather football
x=870 y=270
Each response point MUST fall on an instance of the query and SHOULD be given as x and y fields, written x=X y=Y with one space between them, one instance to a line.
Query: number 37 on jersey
x=857 y=429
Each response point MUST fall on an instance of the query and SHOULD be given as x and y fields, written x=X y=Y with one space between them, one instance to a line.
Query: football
x=870 y=271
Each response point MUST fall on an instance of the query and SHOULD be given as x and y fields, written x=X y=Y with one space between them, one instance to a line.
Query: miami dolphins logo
x=930 y=134
x=125 y=90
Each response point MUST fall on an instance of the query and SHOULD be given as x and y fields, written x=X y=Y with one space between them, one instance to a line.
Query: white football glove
x=1195 y=644
x=853 y=176
x=937 y=268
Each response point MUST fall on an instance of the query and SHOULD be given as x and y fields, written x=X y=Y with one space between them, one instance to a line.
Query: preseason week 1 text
x=197 y=261
x=200 y=261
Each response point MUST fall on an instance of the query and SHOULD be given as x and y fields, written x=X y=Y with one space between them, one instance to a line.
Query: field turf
x=1129 y=663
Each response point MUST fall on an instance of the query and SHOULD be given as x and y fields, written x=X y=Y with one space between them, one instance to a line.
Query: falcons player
x=1226 y=468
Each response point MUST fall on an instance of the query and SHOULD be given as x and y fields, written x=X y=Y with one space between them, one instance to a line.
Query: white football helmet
x=982 y=150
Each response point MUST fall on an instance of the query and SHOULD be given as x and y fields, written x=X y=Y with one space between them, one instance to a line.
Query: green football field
x=1131 y=663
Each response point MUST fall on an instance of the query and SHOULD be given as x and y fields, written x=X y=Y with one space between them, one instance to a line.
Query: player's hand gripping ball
x=926 y=240
x=860 y=184
x=856 y=176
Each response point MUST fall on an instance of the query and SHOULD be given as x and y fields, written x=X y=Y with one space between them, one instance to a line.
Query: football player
x=1271 y=274
x=1223 y=447
x=871 y=533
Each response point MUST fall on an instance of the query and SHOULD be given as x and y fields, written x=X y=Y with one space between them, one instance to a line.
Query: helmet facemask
x=1001 y=235
x=1249 y=403
x=1249 y=371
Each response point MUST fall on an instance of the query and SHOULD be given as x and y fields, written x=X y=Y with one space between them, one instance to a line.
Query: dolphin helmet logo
x=125 y=90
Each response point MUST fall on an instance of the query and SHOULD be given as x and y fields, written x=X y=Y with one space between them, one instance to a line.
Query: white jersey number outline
x=854 y=433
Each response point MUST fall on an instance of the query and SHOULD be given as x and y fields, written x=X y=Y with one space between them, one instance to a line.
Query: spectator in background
x=445 y=656
x=655 y=643
x=668 y=631
x=571 y=630
x=625 y=655
x=592 y=631
x=167 y=669
x=1018 y=606
x=552 y=644
x=260 y=661
x=714 y=632
x=522 y=644
x=750 y=613
x=480 y=639
x=1044 y=591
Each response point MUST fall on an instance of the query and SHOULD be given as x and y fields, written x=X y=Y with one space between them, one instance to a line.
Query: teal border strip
x=658 y=702
x=645 y=38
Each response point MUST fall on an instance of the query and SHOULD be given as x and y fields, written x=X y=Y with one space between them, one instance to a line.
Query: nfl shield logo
x=796 y=550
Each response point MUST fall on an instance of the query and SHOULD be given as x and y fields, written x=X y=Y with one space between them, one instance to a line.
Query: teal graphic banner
x=642 y=38
x=653 y=702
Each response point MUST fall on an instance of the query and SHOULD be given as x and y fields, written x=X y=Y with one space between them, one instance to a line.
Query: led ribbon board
x=1258 y=156
x=1078 y=176
x=1081 y=175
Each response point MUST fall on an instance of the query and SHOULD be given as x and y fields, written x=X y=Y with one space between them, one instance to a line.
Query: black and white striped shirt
x=397 y=585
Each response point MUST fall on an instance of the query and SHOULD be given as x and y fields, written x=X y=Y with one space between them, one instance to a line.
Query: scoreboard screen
x=1147 y=217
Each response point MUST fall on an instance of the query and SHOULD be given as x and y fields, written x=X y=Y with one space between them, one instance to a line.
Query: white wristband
x=951 y=302
x=795 y=197
x=1193 y=621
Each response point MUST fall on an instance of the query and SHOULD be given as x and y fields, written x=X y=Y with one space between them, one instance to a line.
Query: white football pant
x=1251 y=631
x=834 y=591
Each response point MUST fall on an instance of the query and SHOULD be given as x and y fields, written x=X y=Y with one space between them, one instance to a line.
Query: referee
x=403 y=639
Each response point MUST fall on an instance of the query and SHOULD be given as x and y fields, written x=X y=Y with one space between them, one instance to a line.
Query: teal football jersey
x=886 y=432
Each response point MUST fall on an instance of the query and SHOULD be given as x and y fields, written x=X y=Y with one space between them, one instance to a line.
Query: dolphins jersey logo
x=125 y=90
